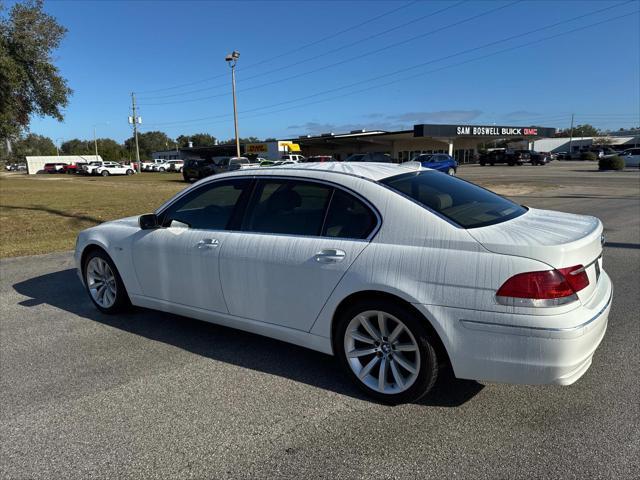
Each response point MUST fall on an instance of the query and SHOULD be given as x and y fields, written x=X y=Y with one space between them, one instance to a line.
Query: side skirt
x=289 y=335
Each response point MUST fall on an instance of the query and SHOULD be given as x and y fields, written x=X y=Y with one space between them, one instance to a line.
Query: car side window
x=208 y=208
x=287 y=207
x=348 y=217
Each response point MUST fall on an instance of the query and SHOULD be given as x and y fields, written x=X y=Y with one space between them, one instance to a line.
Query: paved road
x=150 y=395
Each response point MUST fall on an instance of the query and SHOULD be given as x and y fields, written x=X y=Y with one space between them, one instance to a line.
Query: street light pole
x=232 y=58
x=95 y=141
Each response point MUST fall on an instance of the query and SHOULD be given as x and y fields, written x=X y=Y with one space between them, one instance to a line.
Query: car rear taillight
x=546 y=288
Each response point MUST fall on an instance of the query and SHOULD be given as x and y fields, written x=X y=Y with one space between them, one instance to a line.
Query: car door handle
x=330 y=255
x=207 y=242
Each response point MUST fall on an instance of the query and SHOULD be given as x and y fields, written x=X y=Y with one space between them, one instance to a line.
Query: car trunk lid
x=558 y=239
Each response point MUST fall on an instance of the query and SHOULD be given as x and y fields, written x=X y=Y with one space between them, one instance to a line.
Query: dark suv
x=195 y=169
x=503 y=155
x=536 y=158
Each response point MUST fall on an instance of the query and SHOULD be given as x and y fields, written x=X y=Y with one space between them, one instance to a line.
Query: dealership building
x=460 y=141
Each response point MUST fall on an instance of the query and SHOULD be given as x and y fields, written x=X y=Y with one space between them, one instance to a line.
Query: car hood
x=555 y=238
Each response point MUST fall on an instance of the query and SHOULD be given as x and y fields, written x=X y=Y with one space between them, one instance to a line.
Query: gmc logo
x=531 y=131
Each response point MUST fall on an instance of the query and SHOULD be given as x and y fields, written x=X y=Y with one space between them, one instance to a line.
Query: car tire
x=161 y=169
x=105 y=173
x=129 y=172
x=365 y=370
x=451 y=172
x=98 y=267
x=482 y=164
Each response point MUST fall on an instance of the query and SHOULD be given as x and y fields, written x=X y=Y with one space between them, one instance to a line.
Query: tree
x=77 y=147
x=30 y=84
x=149 y=142
x=109 y=149
x=242 y=140
x=585 y=130
x=198 y=140
x=33 y=145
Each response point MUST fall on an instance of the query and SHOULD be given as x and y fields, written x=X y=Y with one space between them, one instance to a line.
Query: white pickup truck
x=148 y=166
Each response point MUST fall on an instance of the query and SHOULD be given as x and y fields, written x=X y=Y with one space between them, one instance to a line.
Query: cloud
x=401 y=121
x=518 y=114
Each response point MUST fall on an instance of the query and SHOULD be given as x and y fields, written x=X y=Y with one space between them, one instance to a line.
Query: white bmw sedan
x=395 y=270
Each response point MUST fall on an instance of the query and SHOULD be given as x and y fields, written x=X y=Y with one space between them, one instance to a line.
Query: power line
x=291 y=77
x=409 y=68
x=297 y=49
x=315 y=57
x=414 y=67
x=355 y=57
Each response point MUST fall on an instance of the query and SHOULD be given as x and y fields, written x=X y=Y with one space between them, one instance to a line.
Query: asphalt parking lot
x=152 y=395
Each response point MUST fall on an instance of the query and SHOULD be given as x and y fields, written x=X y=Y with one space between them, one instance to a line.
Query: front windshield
x=464 y=203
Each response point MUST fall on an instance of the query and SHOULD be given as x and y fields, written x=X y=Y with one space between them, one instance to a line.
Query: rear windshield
x=461 y=202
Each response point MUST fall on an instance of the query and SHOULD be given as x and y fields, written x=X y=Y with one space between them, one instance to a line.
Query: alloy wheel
x=382 y=352
x=101 y=282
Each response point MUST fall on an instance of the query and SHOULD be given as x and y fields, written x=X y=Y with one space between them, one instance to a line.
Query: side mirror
x=148 y=221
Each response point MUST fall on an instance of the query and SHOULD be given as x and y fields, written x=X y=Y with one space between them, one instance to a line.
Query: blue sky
x=312 y=67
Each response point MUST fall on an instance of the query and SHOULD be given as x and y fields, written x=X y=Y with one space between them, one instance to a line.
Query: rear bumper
x=527 y=349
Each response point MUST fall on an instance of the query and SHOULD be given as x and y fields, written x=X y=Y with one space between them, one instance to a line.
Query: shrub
x=588 y=156
x=611 y=163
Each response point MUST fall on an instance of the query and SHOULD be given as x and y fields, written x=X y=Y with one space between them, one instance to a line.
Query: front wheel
x=161 y=169
x=386 y=350
x=103 y=283
x=105 y=173
x=129 y=172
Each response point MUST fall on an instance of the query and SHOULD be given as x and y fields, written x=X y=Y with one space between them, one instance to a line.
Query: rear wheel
x=161 y=169
x=482 y=164
x=129 y=172
x=451 y=172
x=386 y=350
x=103 y=283
x=105 y=173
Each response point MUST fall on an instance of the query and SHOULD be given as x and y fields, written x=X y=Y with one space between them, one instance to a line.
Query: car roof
x=375 y=171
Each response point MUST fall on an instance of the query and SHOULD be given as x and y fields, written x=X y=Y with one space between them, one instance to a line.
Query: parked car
x=370 y=157
x=293 y=157
x=631 y=157
x=54 y=167
x=501 y=155
x=196 y=169
x=89 y=168
x=15 y=167
x=148 y=165
x=438 y=161
x=113 y=168
x=73 y=168
x=169 y=166
x=321 y=158
x=534 y=157
x=394 y=269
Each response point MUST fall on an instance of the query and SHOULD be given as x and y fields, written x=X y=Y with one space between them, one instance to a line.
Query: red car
x=57 y=167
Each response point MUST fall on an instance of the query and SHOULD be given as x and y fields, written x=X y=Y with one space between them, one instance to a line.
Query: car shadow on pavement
x=63 y=290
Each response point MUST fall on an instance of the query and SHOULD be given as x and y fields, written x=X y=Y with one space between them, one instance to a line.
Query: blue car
x=438 y=161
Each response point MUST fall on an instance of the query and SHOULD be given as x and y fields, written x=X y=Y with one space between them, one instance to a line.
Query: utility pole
x=135 y=129
x=95 y=141
x=571 y=136
x=232 y=58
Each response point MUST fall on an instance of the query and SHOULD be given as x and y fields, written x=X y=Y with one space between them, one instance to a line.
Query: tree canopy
x=149 y=142
x=198 y=140
x=34 y=144
x=585 y=130
x=30 y=83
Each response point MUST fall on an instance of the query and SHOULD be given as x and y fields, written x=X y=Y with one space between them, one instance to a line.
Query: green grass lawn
x=44 y=213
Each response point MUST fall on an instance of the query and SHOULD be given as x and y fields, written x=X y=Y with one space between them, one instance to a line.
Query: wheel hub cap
x=101 y=282
x=382 y=352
